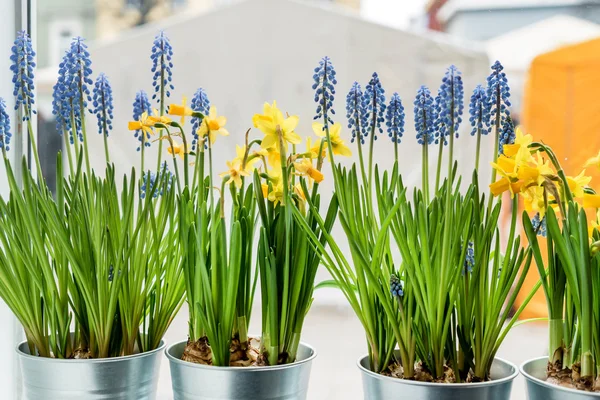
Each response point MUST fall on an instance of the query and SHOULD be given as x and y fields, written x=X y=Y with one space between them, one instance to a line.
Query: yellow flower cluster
x=528 y=174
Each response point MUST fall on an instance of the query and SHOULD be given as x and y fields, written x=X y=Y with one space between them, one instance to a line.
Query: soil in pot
x=245 y=354
x=570 y=378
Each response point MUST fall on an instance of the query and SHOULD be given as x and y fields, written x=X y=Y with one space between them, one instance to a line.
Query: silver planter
x=379 y=387
x=534 y=372
x=203 y=382
x=121 y=378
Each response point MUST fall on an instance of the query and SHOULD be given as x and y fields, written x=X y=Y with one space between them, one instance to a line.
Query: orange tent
x=561 y=107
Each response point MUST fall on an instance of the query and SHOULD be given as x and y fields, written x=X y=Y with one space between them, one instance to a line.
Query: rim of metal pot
x=249 y=369
x=493 y=382
x=550 y=385
x=89 y=360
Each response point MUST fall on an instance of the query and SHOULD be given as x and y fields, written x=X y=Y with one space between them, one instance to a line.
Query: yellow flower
x=177 y=149
x=305 y=167
x=276 y=195
x=519 y=151
x=594 y=225
x=181 y=110
x=235 y=173
x=299 y=192
x=270 y=121
x=145 y=123
x=578 y=183
x=591 y=200
x=240 y=153
x=504 y=184
x=507 y=167
x=265 y=190
x=156 y=118
x=593 y=161
x=534 y=200
x=213 y=124
x=337 y=143
x=314 y=150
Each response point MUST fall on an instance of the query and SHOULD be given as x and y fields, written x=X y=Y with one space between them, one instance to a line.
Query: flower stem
x=425 y=171
x=34 y=148
x=162 y=107
x=439 y=165
x=478 y=151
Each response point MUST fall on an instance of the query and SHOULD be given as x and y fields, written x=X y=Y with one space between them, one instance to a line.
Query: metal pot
x=534 y=372
x=121 y=378
x=379 y=387
x=204 y=382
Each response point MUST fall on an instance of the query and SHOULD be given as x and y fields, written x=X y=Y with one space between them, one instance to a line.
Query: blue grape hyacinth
x=102 y=101
x=141 y=105
x=469 y=259
x=374 y=106
x=150 y=179
x=507 y=135
x=324 y=87
x=424 y=116
x=497 y=110
x=5 y=134
x=200 y=103
x=162 y=65
x=23 y=64
x=450 y=104
x=396 y=286
x=355 y=112
x=477 y=108
x=394 y=118
x=539 y=225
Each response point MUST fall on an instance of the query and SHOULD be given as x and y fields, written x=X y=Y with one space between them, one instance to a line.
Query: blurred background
x=246 y=52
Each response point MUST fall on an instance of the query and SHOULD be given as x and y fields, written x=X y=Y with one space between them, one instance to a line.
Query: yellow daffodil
x=506 y=166
x=594 y=225
x=337 y=143
x=213 y=124
x=305 y=167
x=534 y=200
x=235 y=173
x=591 y=200
x=144 y=123
x=240 y=153
x=276 y=195
x=314 y=150
x=177 y=149
x=504 y=184
x=593 y=161
x=519 y=151
x=265 y=190
x=181 y=110
x=156 y=118
x=299 y=192
x=578 y=183
x=270 y=121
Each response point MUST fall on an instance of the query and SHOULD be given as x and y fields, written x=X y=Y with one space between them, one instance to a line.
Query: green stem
x=439 y=165
x=34 y=148
x=478 y=149
x=425 y=171
x=556 y=345
x=162 y=109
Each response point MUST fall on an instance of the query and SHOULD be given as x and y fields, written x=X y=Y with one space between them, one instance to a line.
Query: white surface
x=454 y=6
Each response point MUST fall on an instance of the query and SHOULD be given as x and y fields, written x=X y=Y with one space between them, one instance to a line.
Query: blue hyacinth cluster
x=22 y=65
x=396 y=286
x=200 y=103
x=374 y=103
x=507 y=135
x=450 y=104
x=424 y=116
x=477 y=108
x=324 y=87
x=394 y=118
x=440 y=124
x=162 y=65
x=150 y=179
x=5 y=134
x=469 y=259
x=498 y=94
x=102 y=102
x=141 y=105
x=539 y=225
x=71 y=92
x=355 y=112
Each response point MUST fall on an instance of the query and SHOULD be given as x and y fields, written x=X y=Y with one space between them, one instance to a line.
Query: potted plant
x=428 y=276
x=90 y=271
x=568 y=268
x=265 y=181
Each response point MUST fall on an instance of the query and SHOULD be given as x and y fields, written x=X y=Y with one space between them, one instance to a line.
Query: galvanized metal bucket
x=379 y=387
x=534 y=372
x=203 y=382
x=121 y=378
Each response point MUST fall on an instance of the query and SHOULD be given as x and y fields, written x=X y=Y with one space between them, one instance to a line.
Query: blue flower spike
x=5 y=134
x=539 y=225
x=469 y=259
x=497 y=110
x=324 y=87
x=200 y=103
x=22 y=66
x=374 y=106
x=396 y=287
x=450 y=104
x=424 y=116
x=394 y=118
x=102 y=102
x=355 y=113
x=477 y=108
x=162 y=65
x=141 y=105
